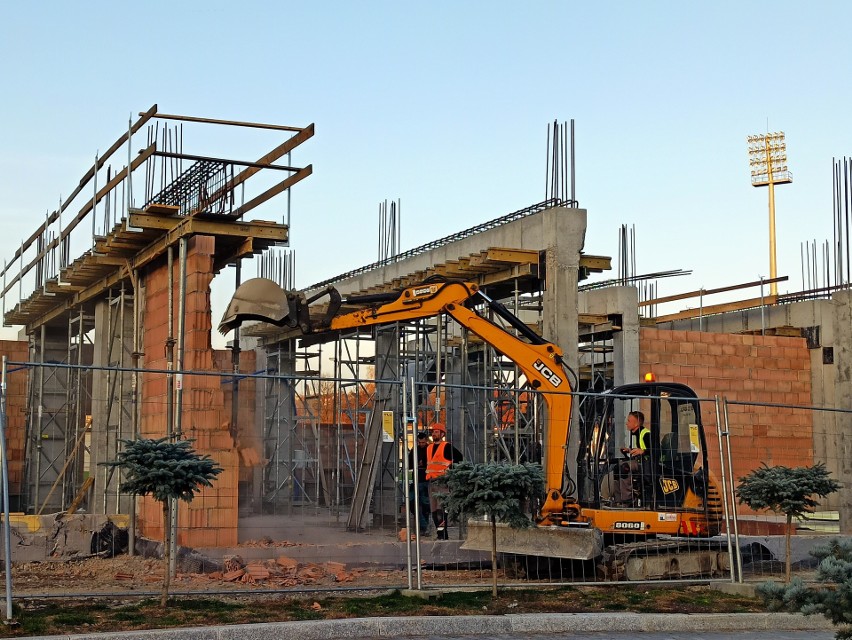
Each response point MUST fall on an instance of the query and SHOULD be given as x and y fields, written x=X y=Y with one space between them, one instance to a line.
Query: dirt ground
x=137 y=574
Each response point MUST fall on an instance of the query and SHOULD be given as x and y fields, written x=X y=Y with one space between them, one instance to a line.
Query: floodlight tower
x=767 y=156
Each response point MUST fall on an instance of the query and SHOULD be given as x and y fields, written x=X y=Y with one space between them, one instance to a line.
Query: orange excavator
x=662 y=528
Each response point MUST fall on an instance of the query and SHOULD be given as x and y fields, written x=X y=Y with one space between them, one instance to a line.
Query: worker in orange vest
x=440 y=455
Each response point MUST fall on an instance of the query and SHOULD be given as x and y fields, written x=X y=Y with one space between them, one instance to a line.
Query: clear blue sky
x=445 y=105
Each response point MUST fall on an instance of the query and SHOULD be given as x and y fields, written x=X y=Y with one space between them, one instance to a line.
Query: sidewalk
x=509 y=625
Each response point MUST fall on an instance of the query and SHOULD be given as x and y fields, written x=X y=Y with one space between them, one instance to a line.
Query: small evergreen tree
x=164 y=470
x=498 y=491
x=835 y=602
x=789 y=491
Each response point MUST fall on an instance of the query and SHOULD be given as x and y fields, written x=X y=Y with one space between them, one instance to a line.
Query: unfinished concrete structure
x=135 y=306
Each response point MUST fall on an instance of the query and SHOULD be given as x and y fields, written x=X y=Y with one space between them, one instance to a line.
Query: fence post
x=7 y=541
x=738 y=556
x=724 y=490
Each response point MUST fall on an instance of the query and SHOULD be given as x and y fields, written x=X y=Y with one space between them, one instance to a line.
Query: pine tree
x=834 y=602
x=498 y=491
x=166 y=471
x=784 y=490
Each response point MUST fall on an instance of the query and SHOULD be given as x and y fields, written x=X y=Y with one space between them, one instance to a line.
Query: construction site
x=313 y=405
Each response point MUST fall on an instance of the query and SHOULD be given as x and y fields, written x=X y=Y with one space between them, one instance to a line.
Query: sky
x=444 y=106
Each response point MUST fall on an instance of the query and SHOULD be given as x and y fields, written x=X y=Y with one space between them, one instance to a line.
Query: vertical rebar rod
x=547 y=166
x=129 y=178
x=573 y=181
x=847 y=167
x=398 y=225
x=5 y=267
x=95 y=200
x=289 y=192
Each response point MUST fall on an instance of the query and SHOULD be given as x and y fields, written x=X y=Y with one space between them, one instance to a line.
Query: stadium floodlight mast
x=767 y=156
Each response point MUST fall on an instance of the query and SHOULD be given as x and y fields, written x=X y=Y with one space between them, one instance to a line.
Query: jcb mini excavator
x=661 y=529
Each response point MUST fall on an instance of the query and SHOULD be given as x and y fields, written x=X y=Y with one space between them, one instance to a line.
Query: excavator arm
x=540 y=361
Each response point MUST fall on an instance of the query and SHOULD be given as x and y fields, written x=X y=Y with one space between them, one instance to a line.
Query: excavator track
x=664 y=559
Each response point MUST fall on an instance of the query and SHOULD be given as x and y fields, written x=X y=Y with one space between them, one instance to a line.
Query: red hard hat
x=438 y=426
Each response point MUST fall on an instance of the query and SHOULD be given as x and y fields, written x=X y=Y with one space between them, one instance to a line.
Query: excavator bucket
x=572 y=543
x=262 y=299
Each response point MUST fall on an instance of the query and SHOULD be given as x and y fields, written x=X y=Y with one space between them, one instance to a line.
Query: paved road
x=602 y=635
x=544 y=626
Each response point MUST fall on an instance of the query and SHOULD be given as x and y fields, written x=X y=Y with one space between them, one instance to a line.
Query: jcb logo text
x=669 y=485
x=547 y=372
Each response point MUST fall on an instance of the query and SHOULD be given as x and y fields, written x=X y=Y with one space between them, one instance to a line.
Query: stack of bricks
x=744 y=368
x=16 y=404
x=210 y=520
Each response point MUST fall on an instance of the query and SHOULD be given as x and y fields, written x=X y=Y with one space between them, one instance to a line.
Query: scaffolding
x=84 y=315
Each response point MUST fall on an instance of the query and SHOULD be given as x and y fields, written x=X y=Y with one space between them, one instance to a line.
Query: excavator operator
x=631 y=470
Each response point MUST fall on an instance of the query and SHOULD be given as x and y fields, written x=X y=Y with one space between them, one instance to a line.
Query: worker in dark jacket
x=421 y=500
x=440 y=455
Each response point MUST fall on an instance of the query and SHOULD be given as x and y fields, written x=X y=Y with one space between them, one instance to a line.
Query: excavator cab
x=672 y=474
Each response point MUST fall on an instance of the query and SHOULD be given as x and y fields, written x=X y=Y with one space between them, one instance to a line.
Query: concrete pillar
x=842 y=437
x=565 y=233
x=279 y=428
x=621 y=301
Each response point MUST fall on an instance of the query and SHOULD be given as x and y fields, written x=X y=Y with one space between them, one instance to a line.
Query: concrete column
x=842 y=437
x=622 y=301
x=565 y=233
x=279 y=429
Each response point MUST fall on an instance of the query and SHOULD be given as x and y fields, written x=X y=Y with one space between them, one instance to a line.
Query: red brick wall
x=211 y=518
x=248 y=441
x=16 y=416
x=743 y=368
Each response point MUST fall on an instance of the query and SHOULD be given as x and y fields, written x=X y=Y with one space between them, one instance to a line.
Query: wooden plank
x=282 y=149
x=500 y=254
x=700 y=292
x=718 y=308
x=162 y=209
x=186 y=226
x=466 y=267
x=233 y=123
x=596 y=263
x=479 y=259
x=273 y=191
x=518 y=271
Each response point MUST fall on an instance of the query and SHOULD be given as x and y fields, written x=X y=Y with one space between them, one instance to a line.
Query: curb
x=520 y=624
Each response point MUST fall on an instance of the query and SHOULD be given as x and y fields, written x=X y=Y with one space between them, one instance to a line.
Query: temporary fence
x=317 y=493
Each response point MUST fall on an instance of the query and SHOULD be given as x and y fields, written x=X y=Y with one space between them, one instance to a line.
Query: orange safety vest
x=437 y=462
